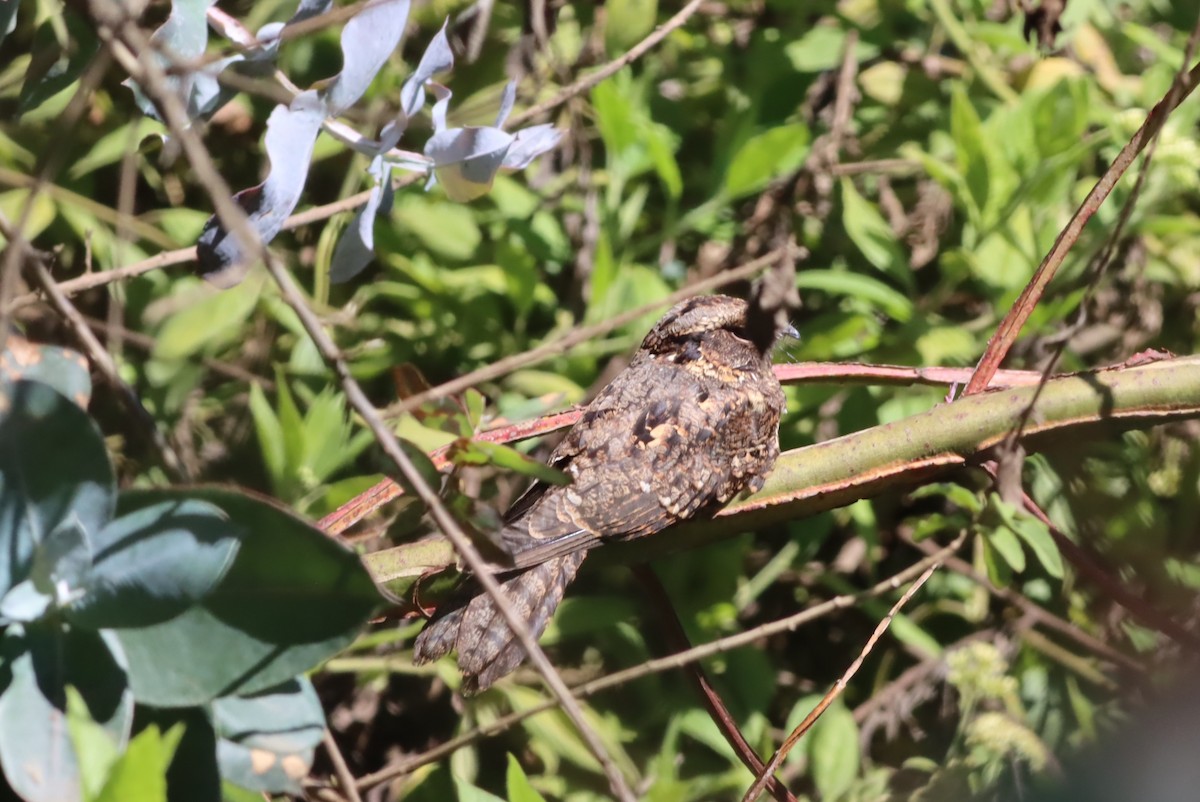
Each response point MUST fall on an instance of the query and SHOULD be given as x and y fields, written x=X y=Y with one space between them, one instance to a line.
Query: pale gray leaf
x=466 y=160
x=356 y=248
x=506 y=103
x=367 y=41
x=291 y=133
x=529 y=143
x=437 y=58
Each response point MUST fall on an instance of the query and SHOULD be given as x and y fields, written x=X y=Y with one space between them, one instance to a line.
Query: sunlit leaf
x=291 y=132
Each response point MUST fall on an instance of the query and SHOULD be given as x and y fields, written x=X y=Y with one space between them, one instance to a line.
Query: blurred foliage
x=966 y=149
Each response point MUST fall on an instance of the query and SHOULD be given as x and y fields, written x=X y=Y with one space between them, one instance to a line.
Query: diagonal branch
x=1006 y=334
x=125 y=39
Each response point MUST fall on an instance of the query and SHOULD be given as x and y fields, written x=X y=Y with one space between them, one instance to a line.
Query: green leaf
x=800 y=710
x=447 y=229
x=56 y=68
x=193 y=774
x=64 y=370
x=517 y=784
x=855 y=285
x=823 y=47
x=467 y=792
x=1002 y=539
x=112 y=147
x=212 y=316
x=53 y=469
x=41 y=215
x=765 y=157
x=141 y=773
x=270 y=439
x=970 y=150
x=35 y=748
x=626 y=23
x=265 y=741
x=154 y=563
x=481 y=452
x=834 y=751
x=1037 y=536
x=872 y=235
x=292 y=598
x=93 y=746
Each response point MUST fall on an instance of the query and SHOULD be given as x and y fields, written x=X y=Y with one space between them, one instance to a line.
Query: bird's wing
x=638 y=468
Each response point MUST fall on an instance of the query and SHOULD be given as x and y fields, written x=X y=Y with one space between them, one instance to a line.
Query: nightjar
x=691 y=422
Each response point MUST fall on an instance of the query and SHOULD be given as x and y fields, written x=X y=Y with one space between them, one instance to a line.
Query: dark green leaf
x=53 y=69
x=61 y=564
x=35 y=748
x=266 y=740
x=292 y=598
x=155 y=562
x=64 y=370
x=53 y=468
x=481 y=452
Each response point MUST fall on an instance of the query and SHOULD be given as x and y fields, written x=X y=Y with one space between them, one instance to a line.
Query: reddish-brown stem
x=1006 y=334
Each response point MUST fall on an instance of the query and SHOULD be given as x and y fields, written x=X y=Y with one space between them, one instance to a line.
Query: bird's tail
x=487 y=647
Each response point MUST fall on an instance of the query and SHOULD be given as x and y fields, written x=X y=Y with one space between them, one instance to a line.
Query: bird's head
x=706 y=317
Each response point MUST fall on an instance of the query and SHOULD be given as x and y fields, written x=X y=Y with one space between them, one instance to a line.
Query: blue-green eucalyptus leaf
x=368 y=39
x=61 y=564
x=184 y=36
x=153 y=563
x=53 y=469
x=437 y=58
x=284 y=723
x=61 y=368
x=35 y=748
x=292 y=598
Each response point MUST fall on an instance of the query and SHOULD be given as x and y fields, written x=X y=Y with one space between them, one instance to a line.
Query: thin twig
x=582 y=334
x=591 y=79
x=661 y=664
x=345 y=778
x=103 y=362
x=760 y=782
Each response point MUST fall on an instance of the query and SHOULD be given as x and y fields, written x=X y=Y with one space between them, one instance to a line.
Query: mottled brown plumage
x=691 y=423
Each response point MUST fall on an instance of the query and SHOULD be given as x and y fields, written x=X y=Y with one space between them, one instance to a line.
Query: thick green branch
x=903 y=454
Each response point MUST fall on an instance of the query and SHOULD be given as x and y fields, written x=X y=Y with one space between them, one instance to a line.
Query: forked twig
x=773 y=765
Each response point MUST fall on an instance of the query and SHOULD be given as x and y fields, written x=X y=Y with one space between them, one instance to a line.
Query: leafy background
x=962 y=150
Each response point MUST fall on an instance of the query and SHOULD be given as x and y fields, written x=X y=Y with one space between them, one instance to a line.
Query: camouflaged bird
x=691 y=423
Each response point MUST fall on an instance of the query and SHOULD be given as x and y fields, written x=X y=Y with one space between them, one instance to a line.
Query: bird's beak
x=789 y=331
